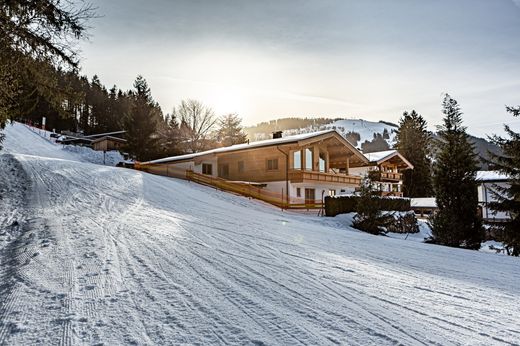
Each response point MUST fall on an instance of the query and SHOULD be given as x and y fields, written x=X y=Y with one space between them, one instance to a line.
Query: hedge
x=347 y=204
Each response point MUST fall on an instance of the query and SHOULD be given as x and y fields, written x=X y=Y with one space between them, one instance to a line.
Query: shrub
x=404 y=223
x=347 y=204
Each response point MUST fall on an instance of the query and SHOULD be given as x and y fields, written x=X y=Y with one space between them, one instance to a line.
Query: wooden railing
x=250 y=190
x=297 y=176
x=246 y=189
x=385 y=176
x=390 y=193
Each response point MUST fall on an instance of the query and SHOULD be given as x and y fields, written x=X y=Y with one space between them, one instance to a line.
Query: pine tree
x=456 y=223
x=36 y=40
x=369 y=216
x=140 y=122
x=508 y=198
x=230 y=130
x=413 y=142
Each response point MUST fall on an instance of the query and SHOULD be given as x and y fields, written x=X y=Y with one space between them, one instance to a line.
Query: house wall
x=107 y=145
x=279 y=187
x=255 y=165
x=485 y=195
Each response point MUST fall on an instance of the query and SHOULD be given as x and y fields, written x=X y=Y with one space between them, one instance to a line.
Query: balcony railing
x=385 y=176
x=297 y=176
x=390 y=193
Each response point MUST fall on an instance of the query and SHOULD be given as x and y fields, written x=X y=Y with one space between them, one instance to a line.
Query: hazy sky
x=341 y=58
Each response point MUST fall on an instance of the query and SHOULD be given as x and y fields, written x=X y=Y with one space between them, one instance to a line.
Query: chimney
x=277 y=134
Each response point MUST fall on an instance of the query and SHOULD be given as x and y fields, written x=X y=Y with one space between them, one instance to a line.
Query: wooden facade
x=108 y=143
x=301 y=167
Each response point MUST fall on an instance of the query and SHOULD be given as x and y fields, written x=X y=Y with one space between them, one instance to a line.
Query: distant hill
x=368 y=136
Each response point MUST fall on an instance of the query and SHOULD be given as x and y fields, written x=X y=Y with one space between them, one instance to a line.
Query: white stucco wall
x=278 y=186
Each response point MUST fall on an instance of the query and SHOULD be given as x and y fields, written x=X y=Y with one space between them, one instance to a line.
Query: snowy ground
x=114 y=256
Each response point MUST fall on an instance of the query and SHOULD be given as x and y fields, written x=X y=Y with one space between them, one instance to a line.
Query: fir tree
x=456 y=223
x=369 y=216
x=413 y=141
x=140 y=122
x=508 y=198
x=230 y=130
x=36 y=40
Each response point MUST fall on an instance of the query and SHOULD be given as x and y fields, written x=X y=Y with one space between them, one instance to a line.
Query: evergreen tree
x=230 y=130
x=456 y=223
x=413 y=141
x=508 y=198
x=140 y=122
x=36 y=40
x=369 y=216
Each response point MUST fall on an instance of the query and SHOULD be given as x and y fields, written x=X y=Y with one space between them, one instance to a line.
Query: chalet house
x=487 y=183
x=297 y=169
x=385 y=168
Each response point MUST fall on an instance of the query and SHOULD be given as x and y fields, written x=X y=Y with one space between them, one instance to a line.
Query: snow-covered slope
x=365 y=128
x=18 y=136
x=112 y=256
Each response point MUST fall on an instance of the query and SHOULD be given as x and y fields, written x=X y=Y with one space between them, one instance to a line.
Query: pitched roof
x=381 y=156
x=258 y=144
x=112 y=138
x=491 y=176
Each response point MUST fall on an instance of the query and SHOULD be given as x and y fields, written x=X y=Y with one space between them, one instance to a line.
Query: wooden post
x=316 y=158
x=327 y=162
x=303 y=159
x=347 y=166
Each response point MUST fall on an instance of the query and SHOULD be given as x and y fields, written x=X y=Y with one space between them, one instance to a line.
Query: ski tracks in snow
x=113 y=256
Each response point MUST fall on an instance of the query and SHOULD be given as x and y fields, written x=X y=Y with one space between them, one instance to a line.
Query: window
x=298 y=192
x=224 y=170
x=207 y=168
x=272 y=165
x=297 y=160
x=308 y=159
x=332 y=192
x=240 y=166
x=322 y=162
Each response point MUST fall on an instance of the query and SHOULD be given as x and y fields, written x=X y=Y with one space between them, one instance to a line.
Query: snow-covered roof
x=115 y=139
x=381 y=156
x=423 y=202
x=258 y=144
x=491 y=176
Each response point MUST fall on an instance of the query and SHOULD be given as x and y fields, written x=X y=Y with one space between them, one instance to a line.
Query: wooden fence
x=247 y=189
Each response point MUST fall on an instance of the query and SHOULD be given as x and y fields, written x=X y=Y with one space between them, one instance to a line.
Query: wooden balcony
x=385 y=176
x=297 y=176
x=390 y=194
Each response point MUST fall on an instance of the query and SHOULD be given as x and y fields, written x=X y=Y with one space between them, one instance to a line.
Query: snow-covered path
x=114 y=256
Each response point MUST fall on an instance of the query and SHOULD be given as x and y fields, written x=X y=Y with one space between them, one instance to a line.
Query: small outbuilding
x=107 y=143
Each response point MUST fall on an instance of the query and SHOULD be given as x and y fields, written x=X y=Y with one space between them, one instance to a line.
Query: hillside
x=92 y=254
x=369 y=136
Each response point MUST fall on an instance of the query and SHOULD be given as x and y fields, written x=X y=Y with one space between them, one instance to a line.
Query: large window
x=297 y=159
x=322 y=162
x=272 y=164
x=308 y=159
x=207 y=168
